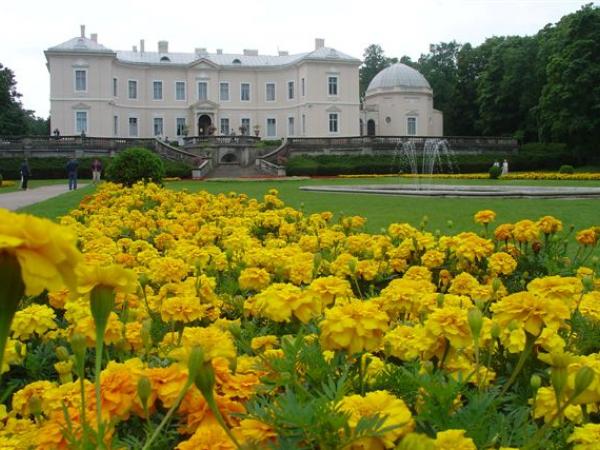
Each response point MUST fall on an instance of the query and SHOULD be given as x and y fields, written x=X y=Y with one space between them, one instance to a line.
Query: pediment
x=203 y=63
x=80 y=106
x=204 y=104
x=333 y=109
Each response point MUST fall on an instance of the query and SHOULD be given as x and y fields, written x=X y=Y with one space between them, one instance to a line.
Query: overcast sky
x=401 y=27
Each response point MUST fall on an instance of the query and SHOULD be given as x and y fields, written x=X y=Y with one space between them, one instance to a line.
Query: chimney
x=142 y=46
x=219 y=51
x=200 y=51
x=94 y=37
x=82 y=30
x=163 y=46
x=250 y=52
x=134 y=49
x=283 y=53
x=319 y=43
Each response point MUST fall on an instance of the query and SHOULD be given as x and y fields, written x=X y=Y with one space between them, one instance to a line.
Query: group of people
x=504 y=166
x=71 y=168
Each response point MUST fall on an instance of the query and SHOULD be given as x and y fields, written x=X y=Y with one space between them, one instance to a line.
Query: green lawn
x=32 y=184
x=382 y=210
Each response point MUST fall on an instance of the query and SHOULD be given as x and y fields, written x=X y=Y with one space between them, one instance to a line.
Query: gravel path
x=19 y=199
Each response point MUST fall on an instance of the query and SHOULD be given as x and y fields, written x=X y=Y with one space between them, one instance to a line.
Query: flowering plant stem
x=12 y=290
x=524 y=355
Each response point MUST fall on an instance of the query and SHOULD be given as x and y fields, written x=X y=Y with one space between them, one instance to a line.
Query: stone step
x=235 y=171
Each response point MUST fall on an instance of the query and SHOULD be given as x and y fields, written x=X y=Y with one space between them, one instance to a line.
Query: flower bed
x=222 y=321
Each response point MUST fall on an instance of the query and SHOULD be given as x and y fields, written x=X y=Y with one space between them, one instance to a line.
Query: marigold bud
x=495 y=331
x=195 y=362
x=496 y=284
x=78 y=345
x=144 y=390
x=205 y=381
x=535 y=382
x=588 y=284
x=62 y=353
x=583 y=379
x=559 y=377
x=35 y=405
x=475 y=322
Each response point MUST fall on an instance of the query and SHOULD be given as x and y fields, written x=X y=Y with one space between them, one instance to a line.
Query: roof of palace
x=398 y=76
x=86 y=45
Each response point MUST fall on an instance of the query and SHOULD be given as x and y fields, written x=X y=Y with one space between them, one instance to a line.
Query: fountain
x=436 y=157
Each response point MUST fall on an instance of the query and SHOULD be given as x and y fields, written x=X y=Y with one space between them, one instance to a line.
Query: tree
x=12 y=116
x=569 y=105
x=374 y=62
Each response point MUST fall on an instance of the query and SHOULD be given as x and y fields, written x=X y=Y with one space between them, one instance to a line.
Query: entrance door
x=204 y=123
x=371 y=127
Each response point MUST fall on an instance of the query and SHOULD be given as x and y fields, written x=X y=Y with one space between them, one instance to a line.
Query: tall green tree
x=12 y=115
x=374 y=62
x=569 y=105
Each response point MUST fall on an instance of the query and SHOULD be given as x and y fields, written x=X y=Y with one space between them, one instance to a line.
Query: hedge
x=530 y=157
x=54 y=168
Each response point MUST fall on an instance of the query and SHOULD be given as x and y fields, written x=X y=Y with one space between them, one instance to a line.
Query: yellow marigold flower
x=472 y=247
x=280 y=301
x=451 y=323
x=484 y=216
x=20 y=400
x=114 y=276
x=501 y=264
x=254 y=278
x=214 y=342
x=354 y=326
x=585 y=437
x=453 y=440
x=264 y=342
x=46 y=252
x=208 y=437
x=133 y=335
x=330 y=288
x=344 y=265
x=87 y=327
x=167 y=269
x=256 y=432
x=433 y=258
x=404 y=296
x=525 y=231
x=590 y=305
x=514 y=339
x=464 y=284
x=57 y=299
x=545 y=406
x=34 y=319
x=549 y=225
x=384 y=405
x=368 y=269
x=400 y=342
x=182 y=309
x=504 y=232
x=401 y=230
x=586 y=237
x=555 y=287
x=531 y=311
x=167 y=382
x=14 y=354
x=418 y=273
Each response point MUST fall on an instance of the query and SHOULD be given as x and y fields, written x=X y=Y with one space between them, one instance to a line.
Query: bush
x=1 y=179
x=135 y=164
x=566 y=168
x=495 y=172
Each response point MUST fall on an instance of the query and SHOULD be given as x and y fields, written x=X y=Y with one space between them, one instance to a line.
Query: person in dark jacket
x=25 y=173
x=72 y=173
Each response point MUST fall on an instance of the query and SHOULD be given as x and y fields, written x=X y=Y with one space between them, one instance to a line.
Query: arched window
x=165 y=59
x=370 y=127
x=236 y=61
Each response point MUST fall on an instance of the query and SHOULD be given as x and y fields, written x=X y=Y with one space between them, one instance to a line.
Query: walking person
x=72 y=173
x=25 y=173
x=96 y=170
x=504 y=167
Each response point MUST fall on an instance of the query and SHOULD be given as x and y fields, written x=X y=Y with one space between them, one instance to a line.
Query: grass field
x=382 y=210
x=32 y=185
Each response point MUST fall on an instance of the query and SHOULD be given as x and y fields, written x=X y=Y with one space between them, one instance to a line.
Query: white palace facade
x=139 y=93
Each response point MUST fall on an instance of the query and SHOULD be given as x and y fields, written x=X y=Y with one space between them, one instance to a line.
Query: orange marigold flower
x=485 y=216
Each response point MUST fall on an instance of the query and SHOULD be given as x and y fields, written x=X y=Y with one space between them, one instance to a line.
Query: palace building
x=139 y=93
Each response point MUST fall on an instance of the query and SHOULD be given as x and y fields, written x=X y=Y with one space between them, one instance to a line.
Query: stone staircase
x=235 y=171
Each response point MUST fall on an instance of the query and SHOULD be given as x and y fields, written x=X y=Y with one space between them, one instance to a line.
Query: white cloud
x=401 y=27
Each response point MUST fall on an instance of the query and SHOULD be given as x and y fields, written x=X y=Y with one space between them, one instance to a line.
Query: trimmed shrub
x=565 y=168
x=495 y=172
x=135 y=164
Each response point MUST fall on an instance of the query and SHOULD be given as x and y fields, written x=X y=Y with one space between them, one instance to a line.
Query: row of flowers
x=199 y=321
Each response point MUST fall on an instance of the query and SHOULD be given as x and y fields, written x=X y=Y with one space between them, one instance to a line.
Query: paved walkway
x=19 y=199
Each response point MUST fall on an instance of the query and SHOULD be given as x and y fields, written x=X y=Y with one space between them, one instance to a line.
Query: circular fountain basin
x=451 y=190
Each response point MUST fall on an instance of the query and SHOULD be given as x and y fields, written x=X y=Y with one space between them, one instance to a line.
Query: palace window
x=271 y=127
x=411 y=126
x=132 y=89
x=81 y=122
x=115 y=87
x=180 y=90
x=245 y=92
x=246 y=125
x=303 y=125
x=157 y=91
x=133 y=127
x=333 y=123
x=224 y=91
x=202 y=90
x=81 y=80
x=115 y=126
x=158 y=126
x=291 y=127
x=224 y=126
x=290 y=90
x=332 y=83
x=303 y=87
x=180 y=124
x=270 y=92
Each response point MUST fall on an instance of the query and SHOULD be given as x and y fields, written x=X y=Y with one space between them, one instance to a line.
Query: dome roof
x=398 y=76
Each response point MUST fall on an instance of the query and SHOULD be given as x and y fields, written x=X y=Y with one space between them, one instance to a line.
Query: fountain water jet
x=436 y=157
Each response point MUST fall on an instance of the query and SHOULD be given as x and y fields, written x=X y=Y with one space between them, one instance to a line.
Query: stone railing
x=273 y=162
x=17 y=146
x=203 y=169
x=169 y=152
x=221 y=140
